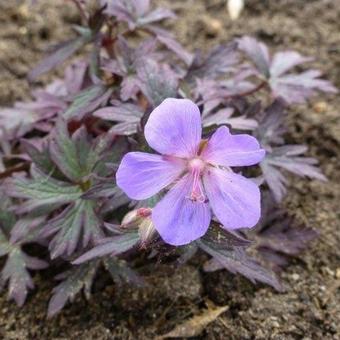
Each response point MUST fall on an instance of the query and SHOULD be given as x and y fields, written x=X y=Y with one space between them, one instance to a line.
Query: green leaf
x=76 y=223
x=87 y=101
x=90 y=154
x=7 y=220
x=43 y=193
x=40 y=158
x=76 y=157
x=64 y=153
x=5 y=247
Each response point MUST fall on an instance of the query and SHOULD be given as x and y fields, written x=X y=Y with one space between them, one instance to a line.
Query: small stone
x=320 y=107
x=213 y=26
x=337 y=273
x=24 y=11
x=328 y=271
x=275 y=324
x=295 y=276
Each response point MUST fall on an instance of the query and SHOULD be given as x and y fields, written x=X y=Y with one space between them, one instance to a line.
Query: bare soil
x=310 y=307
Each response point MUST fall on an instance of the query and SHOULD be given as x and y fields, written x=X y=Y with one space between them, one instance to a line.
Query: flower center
x=196 y=167
x=196 y=164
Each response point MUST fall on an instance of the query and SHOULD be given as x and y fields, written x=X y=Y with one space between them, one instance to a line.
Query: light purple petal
x=141 y=175
x=174 y=128
x=226 y=149
x=234 y=199
x=178 y=219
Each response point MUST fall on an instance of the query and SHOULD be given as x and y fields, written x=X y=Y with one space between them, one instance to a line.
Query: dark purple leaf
x=236 y=260
x=127 y=115
x=111 y=245
x=16 y=273
x=293 y=88
x=74 y=280
x=224 y=239
x=169 y=41
x=297 y=88
x=278 y=235
x=187 y=252
x=218 y=61
x=289 y=158
x=271 y=125
x=121 y=273
x=257 y=52
x=60 y=54
x=16 y=121
x=129 y=88
x=136 y=13
x=157 y=82
x=156 y=15
x=75 y=76
x=225 y=117
x=25 y=229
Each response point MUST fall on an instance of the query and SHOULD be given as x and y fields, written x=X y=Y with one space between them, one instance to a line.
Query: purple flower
x=197 y=173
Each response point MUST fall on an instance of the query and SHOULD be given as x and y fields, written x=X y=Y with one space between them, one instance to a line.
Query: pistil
x=196 y=168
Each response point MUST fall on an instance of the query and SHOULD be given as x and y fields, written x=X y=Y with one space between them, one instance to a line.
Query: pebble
x=337 y=273
x=295 y=276
x=213 y=26
x=320 y=107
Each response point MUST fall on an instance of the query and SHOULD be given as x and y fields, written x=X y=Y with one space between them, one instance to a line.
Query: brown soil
x=310 y=308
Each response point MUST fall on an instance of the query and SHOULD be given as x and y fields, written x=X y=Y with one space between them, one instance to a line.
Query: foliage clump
x=60 y=152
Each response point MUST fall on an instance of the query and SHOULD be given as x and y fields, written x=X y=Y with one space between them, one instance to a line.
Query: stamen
x=196 y=167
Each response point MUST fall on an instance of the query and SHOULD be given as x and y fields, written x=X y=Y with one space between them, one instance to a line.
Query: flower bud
x=141 y=218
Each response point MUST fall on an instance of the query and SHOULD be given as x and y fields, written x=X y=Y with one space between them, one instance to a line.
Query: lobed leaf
x=76 y=157
x=293 y=88
x=120 y=272
x=157 y=82
x=16 y=273
x=60 y=54
x=76 y=279
x=237 y=261
x=278 y=235
x=110 y=245
x=77 y=224
x=218 y=61
x=87 y=101
x=287 y=158
x=127 y=115
x=42 y=192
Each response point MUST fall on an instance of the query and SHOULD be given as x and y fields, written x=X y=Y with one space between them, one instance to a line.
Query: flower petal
x=174 y=128
x=178 y=219
x=234 y=199
x=141 y=175
x=226 y=149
